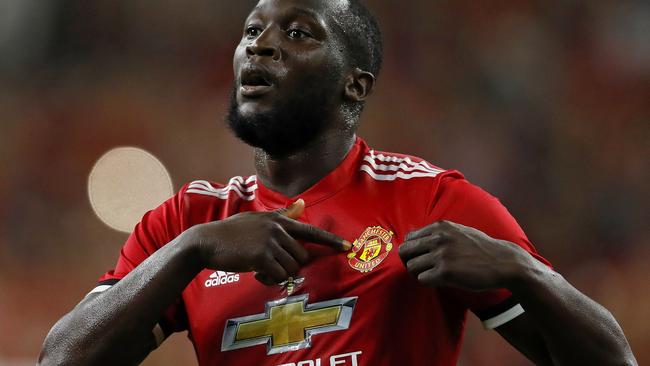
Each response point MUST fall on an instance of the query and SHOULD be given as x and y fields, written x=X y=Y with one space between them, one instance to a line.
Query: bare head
x=302 y=68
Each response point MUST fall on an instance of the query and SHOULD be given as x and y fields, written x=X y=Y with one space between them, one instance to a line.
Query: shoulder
x=238 y=187
x=202 y=201
x=441 y=189
x=396 y=167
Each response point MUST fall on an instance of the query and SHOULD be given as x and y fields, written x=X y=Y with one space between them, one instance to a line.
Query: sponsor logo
x=350 y=359
x=288 y=324
x=370 y=249
x=219 y=278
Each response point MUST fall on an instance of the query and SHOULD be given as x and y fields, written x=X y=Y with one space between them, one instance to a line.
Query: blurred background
x=544 y=104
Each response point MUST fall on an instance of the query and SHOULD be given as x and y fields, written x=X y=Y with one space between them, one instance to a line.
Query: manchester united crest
x=370 y=249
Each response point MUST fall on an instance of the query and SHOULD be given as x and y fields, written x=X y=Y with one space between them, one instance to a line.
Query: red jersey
x=355 y=308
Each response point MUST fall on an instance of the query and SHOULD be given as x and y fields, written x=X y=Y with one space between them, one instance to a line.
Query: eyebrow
x=296 y=10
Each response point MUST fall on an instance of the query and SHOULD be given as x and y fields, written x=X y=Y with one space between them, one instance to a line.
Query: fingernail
x=346 y=245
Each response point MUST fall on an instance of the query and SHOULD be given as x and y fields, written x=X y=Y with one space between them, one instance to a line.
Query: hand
x=449 y=254
x=264 y=242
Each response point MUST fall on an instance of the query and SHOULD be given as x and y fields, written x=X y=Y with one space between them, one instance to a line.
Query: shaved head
x=303 y=68
x=360 y=33
x=360 y=36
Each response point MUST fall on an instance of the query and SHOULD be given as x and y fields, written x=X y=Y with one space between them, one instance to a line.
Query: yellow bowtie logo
x=288 y=324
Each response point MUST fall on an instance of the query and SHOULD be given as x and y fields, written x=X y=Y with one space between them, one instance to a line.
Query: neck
x=294 y=174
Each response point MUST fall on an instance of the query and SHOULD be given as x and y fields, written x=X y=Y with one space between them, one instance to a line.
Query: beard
x=291 y=125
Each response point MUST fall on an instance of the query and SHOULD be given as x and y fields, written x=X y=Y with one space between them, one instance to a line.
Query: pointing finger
x=312 y=234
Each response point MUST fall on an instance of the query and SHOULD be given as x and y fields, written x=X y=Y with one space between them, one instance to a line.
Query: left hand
x=449 y=254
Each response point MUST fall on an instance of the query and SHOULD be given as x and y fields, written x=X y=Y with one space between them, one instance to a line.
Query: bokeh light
x=125 y=183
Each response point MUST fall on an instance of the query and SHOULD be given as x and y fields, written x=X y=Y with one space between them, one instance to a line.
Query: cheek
x=238 y=58
x=317 y=57
x=322 y=66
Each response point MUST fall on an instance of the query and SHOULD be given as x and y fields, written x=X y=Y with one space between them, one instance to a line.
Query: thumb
x=294 y=211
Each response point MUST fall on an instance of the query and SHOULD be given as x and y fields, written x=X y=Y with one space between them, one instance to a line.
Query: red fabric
x=459 y=201
x=395 y=320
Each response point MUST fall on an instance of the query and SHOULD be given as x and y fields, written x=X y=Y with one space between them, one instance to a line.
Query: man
x=333 y=254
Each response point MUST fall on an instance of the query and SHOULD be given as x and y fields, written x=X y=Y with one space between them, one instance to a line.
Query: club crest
x=370 y=249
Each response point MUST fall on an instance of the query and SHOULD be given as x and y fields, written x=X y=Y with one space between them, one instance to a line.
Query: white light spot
x=125 y=183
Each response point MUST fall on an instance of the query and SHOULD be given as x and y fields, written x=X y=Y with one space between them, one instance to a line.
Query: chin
x=248 y=112
x=253 y=109
x=279 y=126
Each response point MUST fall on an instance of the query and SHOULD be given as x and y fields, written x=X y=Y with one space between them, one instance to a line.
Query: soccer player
x=334 y=253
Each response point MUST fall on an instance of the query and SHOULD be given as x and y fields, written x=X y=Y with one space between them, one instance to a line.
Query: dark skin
x=291 y=38
x=561 y=326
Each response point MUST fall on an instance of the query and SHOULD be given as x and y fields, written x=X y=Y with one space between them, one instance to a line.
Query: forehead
x=320 y=10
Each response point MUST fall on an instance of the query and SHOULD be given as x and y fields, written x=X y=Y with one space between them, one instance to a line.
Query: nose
x=264 y=45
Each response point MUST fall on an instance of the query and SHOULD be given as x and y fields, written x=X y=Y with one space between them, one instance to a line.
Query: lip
x=254 y=90
x=255 y=80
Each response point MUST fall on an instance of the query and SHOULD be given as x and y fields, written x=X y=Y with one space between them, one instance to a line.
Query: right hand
x=264 y=242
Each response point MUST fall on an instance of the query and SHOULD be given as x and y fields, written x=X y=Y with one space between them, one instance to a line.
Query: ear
x=359 y=85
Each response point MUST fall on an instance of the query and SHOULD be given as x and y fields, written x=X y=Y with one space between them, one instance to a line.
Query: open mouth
x=255 y=82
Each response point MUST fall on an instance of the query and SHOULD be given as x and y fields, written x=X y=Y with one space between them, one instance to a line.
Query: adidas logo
x=221 y=278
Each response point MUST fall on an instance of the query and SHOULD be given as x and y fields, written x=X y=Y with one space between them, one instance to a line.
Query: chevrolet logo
x=288 y=324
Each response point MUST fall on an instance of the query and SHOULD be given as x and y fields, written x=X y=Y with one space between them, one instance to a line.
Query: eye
x=252 y=31
x=297 y=33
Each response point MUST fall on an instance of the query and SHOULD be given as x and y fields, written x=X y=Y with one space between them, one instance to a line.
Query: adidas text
x=221 y=278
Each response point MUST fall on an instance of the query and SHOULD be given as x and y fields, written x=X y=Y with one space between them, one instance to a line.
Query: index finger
x=312 y=234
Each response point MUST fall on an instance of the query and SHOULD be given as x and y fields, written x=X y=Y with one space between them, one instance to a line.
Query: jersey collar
x=332 y=183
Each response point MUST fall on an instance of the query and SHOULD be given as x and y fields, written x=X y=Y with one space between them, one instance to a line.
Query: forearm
x=117 y=324
x=576 y=329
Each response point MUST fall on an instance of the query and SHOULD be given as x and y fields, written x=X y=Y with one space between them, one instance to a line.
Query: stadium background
x=545 y=104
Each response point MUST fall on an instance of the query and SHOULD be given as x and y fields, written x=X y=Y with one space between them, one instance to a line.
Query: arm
x=116 y=325
x=561 y=326
x=575 y=329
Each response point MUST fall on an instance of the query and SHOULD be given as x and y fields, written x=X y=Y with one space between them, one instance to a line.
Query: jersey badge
x=288 y=324
x=370 y=249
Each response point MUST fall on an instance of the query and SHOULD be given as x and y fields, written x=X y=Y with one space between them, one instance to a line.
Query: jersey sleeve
x=156 y=228
x=459 y=201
